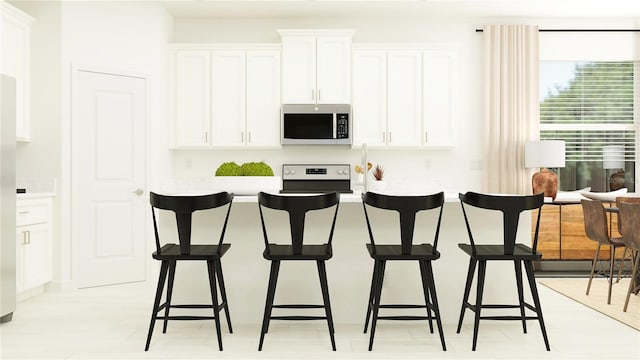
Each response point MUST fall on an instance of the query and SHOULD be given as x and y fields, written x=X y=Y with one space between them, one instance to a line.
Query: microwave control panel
x=342 y=126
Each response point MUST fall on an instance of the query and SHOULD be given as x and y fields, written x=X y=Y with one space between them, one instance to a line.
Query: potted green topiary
x=247 y=179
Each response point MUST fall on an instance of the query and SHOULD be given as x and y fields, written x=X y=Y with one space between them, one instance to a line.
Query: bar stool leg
x=478 y=307
x=376 y=301
x=612 y=262
x=172 y=274
x=268 y=306
x=467 y=289
x=371 y=293
x=223 y=293
x=322 y=271
x=593 y=268
x=528 y=265
x=163 y=275
x=518 y=266
x=635 y=258
x=425 y=289
x=434 y=298
x=214 y=300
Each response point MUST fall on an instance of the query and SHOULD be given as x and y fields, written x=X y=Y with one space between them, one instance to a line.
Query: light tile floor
x=111 y=323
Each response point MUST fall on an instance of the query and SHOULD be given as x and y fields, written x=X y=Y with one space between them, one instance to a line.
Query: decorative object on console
x=613 y=159
x=379 y=184
x=544 y=154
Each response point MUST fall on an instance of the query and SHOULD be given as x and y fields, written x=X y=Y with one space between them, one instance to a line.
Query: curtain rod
x=581 y=30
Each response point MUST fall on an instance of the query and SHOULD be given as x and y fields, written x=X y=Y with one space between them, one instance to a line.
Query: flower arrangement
x=378 y=172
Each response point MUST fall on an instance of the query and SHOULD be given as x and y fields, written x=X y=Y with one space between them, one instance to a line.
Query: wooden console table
x=562 y=235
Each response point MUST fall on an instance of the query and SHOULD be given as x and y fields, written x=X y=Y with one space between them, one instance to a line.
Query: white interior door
x=108 y=146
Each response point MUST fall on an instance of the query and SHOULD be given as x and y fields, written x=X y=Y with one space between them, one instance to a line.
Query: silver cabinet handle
x=319 y=96
x=313 y=94
x=241 y=136
x=389 y=137
x=206 y=137
x=426 y=136
x=23 y=212
x=138 y=192
x=249 y=136
x=384 y=138
x=26 y=237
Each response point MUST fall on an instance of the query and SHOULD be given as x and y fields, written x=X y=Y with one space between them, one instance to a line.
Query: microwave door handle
x=335 y=126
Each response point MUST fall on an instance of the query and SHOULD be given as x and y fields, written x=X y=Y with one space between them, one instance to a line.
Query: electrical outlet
x=427 y=164
x=187 y=164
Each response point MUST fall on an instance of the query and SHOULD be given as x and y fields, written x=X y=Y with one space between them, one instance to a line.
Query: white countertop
x=35 y=195
x=344 y=198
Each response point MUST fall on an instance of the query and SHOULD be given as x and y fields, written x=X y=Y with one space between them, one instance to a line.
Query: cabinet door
x=228 y=98
x=21 y=242
x=333 y=70
x=440 y=86
x=37 y=256
x=193 y=94
x=263 y=98
x=33 y=251
x=404 y=98
x=369 y=109
x=15 y=61
x=299 y=70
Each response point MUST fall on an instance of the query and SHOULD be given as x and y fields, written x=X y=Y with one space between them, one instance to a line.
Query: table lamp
x=613 y=159
x=544 y=154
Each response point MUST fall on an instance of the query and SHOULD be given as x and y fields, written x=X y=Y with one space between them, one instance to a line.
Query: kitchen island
x=349 y=271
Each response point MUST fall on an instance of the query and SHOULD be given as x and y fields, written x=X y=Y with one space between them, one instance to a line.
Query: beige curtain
x=511 y=106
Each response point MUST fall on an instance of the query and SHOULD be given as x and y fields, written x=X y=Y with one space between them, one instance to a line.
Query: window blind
x=592 y=108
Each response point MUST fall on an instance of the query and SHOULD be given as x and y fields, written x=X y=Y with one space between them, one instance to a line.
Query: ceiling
x=400 y=8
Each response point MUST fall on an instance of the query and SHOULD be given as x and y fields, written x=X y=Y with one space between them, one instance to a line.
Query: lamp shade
x=613 y=157
x=544 y=154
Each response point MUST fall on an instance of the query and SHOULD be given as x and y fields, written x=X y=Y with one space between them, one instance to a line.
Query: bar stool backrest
x=407 y=208
x=630 y=218
x=184 y=206
x=627 y=199
x=511 y=206
x=297 y=208
x=595 y=221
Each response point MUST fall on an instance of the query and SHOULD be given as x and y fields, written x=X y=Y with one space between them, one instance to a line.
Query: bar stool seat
x=309 y=252
x=394 y=252
x=198 y=252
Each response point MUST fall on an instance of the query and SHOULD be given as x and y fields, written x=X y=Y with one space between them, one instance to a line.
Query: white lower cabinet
x=33 y=248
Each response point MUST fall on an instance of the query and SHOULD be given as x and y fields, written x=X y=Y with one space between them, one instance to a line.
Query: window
x=591 y=106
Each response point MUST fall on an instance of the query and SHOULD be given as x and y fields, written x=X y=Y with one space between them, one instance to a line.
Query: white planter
x=377 y=186
x=247 y=185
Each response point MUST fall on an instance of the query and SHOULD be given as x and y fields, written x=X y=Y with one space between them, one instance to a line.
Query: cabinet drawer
x=31 y=213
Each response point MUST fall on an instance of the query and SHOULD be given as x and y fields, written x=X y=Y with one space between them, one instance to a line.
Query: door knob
x=138 y=192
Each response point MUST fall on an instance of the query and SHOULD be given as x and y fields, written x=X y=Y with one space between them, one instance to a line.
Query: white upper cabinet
x=369 y=106
x=404 y=98
x=228 y=98
x=192 y=97
x=439 y=92
x=404 y=95
x=226 y=95
x=316 y=66
x=263 y=98
x=15 y=62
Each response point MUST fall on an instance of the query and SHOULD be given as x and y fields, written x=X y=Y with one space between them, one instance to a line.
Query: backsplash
x=37 y=185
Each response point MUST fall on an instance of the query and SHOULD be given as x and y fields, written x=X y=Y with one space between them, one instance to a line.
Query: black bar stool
x=169 y=254
x=407 y=208
x=508 y=250
x=297 y=208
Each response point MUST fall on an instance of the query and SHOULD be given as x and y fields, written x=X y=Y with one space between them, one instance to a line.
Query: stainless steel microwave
x=316 y=124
